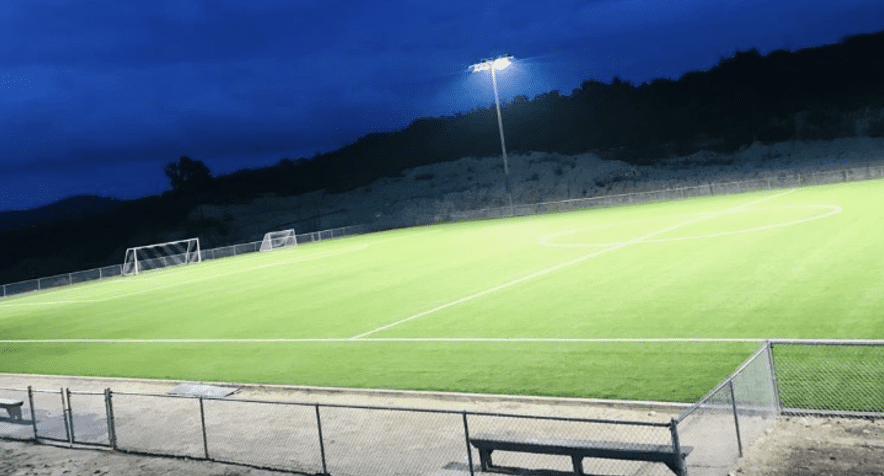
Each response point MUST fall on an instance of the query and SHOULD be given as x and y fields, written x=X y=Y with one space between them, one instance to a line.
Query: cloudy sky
x=96 y=96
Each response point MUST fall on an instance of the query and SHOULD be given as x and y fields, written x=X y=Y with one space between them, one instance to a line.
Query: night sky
x=96 y=96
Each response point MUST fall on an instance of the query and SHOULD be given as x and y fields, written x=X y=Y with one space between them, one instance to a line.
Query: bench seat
x=13 y=407
x=579 y=449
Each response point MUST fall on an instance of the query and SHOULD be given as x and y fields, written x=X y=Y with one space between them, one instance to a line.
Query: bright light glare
x=501 y=63
x=498 y=64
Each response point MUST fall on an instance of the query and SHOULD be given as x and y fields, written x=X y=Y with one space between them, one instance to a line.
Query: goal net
x=279 y=239
x=161 y=255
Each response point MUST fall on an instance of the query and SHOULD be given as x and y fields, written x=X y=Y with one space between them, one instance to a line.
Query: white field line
x=45 y=303
x=580 y=259
x=833 y=210
x=539 y=340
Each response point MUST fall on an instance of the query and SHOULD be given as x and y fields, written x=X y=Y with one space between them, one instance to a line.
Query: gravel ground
x=795 y=446
x=792 y=446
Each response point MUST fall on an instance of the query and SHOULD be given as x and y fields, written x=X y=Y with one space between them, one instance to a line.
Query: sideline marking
x=833 y=210
x=47 y=303
x=580 y=259
x=394 y=339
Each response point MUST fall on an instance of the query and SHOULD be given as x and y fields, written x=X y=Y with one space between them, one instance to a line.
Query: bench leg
x=678 y=465
x=14 y=413
x=485 y=459
x=578 y=465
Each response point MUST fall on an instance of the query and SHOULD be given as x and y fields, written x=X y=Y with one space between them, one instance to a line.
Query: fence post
x=466 y=432
x=676 y=445
x=730 y=385
x=203 y=422
x=773 y=378
x=64 y=414
x=111 y=426
x=33 y=415
x=71 y=415
x=321 y=443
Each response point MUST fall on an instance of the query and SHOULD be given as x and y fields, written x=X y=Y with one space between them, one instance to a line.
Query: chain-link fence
x=778 y=181
x=312 y=438
x=831 y=378
x=732 y=415
x=310 y=237
x=821 y=378
x=781 y=180
x=40 y=284
x=116 y=270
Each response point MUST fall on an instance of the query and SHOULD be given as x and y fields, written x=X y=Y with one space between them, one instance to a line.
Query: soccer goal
x=279 y=239
x=161 y=255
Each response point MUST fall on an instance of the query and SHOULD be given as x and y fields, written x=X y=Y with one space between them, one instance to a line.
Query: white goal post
x=279 y=239
x=161 y=255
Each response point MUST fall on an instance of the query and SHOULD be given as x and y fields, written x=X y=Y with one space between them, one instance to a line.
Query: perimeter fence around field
x=116 y=270
x=781 y=180
x=811 y=378
x=311 y=237
x=312 y=438
x=778 y=181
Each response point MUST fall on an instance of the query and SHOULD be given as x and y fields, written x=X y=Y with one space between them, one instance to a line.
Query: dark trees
x=188 y=176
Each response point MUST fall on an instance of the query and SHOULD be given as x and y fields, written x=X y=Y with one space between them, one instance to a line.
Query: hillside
x=817 y=93
x=72 y=208
x=751 y=114
x=436 y=192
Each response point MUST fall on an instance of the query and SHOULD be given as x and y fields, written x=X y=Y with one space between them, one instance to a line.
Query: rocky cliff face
x=422 y=194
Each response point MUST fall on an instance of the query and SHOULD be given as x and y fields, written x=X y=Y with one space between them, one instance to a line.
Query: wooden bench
x=579 y=449
x=13 y=407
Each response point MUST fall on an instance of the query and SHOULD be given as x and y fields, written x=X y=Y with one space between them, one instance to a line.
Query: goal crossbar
x=279 y=239
x=161 y=255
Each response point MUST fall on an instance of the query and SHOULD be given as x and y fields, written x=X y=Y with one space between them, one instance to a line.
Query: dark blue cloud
x=97 y=95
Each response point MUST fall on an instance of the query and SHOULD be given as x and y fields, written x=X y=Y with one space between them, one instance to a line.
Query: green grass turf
x=807 y=263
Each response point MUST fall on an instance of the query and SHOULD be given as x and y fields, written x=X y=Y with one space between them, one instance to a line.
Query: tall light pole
x=493 y=65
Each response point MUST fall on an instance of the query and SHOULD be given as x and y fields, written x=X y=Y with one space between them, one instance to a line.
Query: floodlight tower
x=493 y=65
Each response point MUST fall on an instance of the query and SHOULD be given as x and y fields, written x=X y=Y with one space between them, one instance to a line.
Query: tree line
x=748 y=97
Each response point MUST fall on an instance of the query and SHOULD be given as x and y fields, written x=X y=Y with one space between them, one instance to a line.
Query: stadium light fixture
x=497 y=64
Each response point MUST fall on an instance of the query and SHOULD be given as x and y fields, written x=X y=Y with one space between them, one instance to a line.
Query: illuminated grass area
x=513 y=306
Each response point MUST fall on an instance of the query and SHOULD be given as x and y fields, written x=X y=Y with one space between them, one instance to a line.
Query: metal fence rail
x=793 y=377
x=67 y=279
x=313 y=438
x=732 y=415
x=777 y=181
x=116 y=270
x=781 y=180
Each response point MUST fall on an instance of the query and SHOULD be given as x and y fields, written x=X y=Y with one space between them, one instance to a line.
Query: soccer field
x=655 y=302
